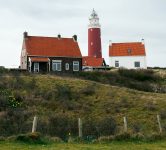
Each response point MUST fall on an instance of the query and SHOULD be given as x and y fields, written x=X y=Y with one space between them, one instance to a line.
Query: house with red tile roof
x=93 y=63
x=128 y=55
x=45 y=54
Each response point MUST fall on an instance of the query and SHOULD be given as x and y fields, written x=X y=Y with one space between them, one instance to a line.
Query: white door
x=36 y=67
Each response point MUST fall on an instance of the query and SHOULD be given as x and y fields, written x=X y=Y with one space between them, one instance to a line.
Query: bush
x=123 y=136
x=106 y=126
x=89 y=129
x=89 y=90
x=150 y=106
x=138 y=137
x=3 y=70
x=2 y=138
x=61 y=125
x=64 y=92
x=140 y=75
x=136 y=127
x=163 y=114
x=31 y=138
x=14 y=122
x=154 y=137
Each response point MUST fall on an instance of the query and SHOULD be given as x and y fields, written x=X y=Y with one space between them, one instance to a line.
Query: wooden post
x=34 y=126
x=125 y=124
x=80 y=127
x=159 y=123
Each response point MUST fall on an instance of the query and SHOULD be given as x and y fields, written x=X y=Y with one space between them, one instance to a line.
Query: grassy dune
x=52 y=97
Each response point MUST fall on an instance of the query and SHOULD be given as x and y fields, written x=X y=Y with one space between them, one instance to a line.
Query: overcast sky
x=121 y=21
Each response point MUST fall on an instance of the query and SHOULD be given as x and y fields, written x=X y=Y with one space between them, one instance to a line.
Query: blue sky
x=121 y=21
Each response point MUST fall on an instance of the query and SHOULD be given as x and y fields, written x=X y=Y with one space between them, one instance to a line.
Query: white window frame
x=36 y=67
x=117 y=63
x=76 y=63
x=56 y=63
x=67 y=66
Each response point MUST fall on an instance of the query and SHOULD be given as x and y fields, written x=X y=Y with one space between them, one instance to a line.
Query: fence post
x=80 y=127
x=34 y=126
x=125 y=124
x=159 y=123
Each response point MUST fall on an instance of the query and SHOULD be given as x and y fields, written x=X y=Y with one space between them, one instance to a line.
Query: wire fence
x=82 y=128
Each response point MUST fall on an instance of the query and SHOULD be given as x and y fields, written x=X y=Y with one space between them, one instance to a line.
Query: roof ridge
x=127 y=43
x=50 y=37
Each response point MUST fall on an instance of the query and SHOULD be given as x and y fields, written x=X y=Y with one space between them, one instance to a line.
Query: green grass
x=65 y=146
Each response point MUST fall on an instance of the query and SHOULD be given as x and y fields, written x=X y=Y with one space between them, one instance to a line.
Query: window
x=129 y=51
x=57 y=65
x=36 y=67
x=117 y=64
x=75 y=65
x=67 y=66
x=137 y=64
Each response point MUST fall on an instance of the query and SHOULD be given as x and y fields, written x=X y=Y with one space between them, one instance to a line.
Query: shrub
x=89 y=90
x=106 y=126
x=13 y=122
x=153 y=137
x=140 y=75
x=136 y=127
x=61 y=125
x=31 y=138
x=163 y=114
x=64 y=92
x=3 y=70
x=123 y=136
x=150 y=106
x=138 y=137
x=89 y=129
x=2 y=138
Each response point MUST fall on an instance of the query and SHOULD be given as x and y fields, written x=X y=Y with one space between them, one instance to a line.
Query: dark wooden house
x=50 y=54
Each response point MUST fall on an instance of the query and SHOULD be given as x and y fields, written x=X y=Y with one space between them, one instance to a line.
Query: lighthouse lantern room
x=94 y=36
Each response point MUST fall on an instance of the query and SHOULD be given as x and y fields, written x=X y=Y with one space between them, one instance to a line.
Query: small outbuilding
x=128 y=55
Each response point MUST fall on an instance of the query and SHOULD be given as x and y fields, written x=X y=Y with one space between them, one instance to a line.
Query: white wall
x=128 y=61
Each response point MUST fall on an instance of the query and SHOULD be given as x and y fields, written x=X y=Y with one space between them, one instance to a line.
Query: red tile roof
x=39 y=59
x=92 y=61
x=127 y=49
x=52 y=46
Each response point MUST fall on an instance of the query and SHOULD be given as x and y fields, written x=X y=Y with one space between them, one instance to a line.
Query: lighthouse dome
x=94 y=20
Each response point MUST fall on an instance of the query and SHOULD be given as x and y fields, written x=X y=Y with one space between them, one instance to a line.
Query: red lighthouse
x=94 y=38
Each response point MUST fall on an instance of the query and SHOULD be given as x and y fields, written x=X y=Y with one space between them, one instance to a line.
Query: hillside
x=60 y=101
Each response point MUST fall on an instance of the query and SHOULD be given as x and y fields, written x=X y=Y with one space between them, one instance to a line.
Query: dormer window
x=129 y=51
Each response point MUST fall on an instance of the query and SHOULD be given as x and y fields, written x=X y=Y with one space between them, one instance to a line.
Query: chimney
x=59 y=36
x=143 y=41
x=25 y=34
x=110 y=42
x=75 y=38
